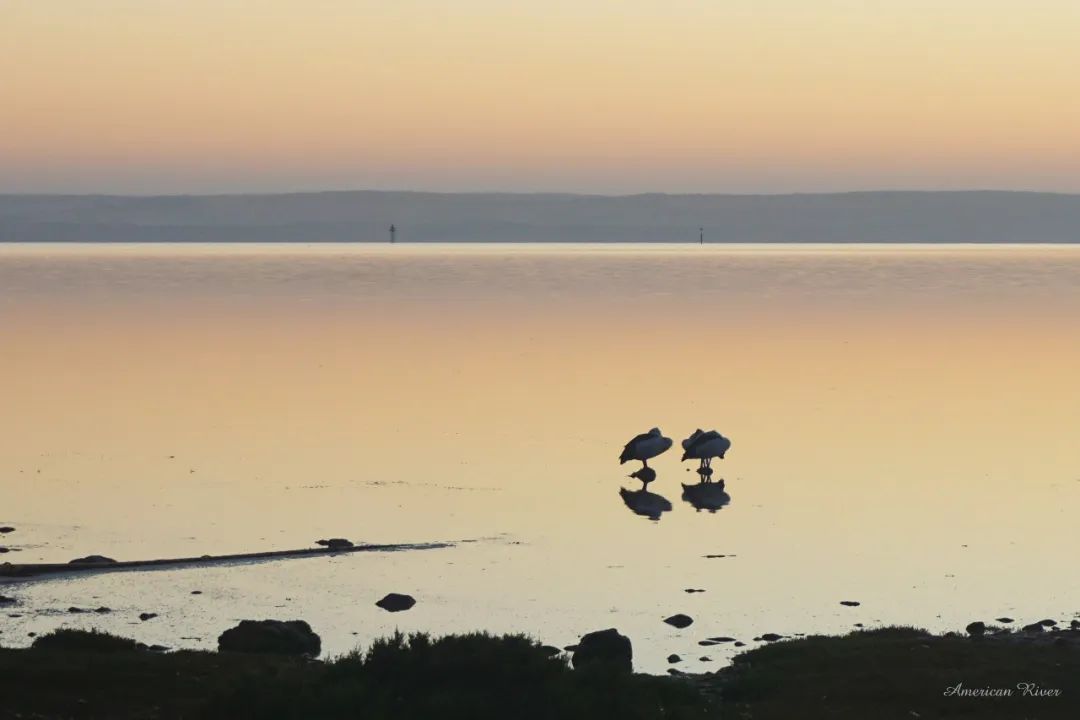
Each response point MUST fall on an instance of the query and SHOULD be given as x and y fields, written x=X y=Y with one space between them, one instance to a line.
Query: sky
x=597 y=96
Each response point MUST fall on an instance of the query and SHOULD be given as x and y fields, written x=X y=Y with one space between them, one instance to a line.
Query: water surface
x=903 y=421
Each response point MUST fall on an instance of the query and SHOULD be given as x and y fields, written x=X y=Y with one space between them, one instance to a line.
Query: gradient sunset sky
x=164 y=96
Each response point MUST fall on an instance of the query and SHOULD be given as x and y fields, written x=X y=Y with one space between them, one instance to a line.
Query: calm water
x=904 y=426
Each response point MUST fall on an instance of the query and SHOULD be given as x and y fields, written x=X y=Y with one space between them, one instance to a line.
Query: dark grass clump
x=84 y=641
x=474 y=676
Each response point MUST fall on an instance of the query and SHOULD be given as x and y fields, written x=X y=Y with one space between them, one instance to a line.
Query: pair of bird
x=701 y=445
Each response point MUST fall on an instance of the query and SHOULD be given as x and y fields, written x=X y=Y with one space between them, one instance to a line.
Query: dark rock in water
x=722 y=639
x=680 y=621
x=673 y=659
x=275 y=637
x=1048 y=623
x=103 y=610
x=605 y=647
x=158 y=648
x=976 y=629
x=147 y=616
x=771 y=637
x=739 y=643
x=704 y=658
x=335 y=543
x=75 y=610
x=6 y=529
x=1005 y=620
x=5 y=600
x=707 y=643
x=4 y=550
x=1033 y=628
x=550 y=650
x=858 y=625
x=676 y=673
x=1074 y=624
x=850 y=603
x=395 y=602
x=92 y=560
x=712 y=557
x=693 y=590
x=196 y=592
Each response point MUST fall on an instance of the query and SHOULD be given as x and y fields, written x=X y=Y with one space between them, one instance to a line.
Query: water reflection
x=645 y=503
x=706 y=495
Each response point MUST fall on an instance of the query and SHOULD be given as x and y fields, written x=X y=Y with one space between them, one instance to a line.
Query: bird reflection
x=644 y=503
x=706 y=495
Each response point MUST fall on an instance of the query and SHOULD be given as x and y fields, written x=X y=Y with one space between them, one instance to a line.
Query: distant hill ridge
x=365 y=216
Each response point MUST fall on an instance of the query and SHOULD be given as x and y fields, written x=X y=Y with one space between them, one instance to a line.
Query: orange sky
x=637 y=95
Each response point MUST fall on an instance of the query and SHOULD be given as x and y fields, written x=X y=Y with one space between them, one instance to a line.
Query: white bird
x=645 y=446
x=704 y=446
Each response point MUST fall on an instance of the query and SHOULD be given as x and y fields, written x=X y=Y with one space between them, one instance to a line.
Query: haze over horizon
x=769 y=96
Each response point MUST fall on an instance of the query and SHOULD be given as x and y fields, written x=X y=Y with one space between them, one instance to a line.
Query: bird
x=645 y=446
x=704 y=446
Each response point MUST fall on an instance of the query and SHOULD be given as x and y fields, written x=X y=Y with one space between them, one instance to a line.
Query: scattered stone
x=75 y=610
x=103 y=610
x=707 y=643
x=739 y=643
x=147 y=616
x=850 y=603
x=1033 y=628
x=335 y=543
x=771 y=637
x=1048 y=623
x=196 y=592
x=1005 y=620
x=6 y=529
x=705 y=658
x=976 y=629
x=4 y=550
x=722 y=639
x=605 y=647
x=1074 y=624
x=277 y=637
x=858 y=625
x=5 y=600
x=715 y=556
x=396 y=602
x=92 y=560
x=158 y=648
x=677 y=673
x=680 y=621
x=673 y=658
x=694 y=590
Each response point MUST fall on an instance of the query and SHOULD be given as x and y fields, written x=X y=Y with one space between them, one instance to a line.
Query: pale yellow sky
x=598 y=96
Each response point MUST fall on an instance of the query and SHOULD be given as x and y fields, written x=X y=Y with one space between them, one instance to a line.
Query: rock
x=605 y=647
x=850 y=603
x=673 y=659
x=680 y=621
x=92 y=560
x=335 y=543
x=147 y=616
x=722 y=639
x=858 y=625
x=395 y=602
x=1033 y=628
x=1074 y=624
x=75 y=610
x=771 y=637
x=550 y=650
x=1048 y=623
x=196 y=592
x=4 y=550
x=707 y=643
x=976 y=629
x=6 y=529
x=158 y=648
x=278 y=637
x=739 y=643
x=693 y=590
x=5 y=600
x=676 y=673
x=103 y=610
x=1005 y=620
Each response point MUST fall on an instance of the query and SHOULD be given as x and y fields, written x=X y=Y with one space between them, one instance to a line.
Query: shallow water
x=903 y=420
